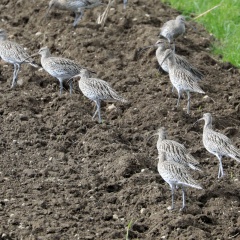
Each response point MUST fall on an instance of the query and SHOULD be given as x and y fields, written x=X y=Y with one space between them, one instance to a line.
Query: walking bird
x=181 y=79
x=60 y=68
x=173 y=28
x=97 y=90
x=176 y=175
x=217 y=143
x=76 y=6
x=15 y=54
x=180 y=60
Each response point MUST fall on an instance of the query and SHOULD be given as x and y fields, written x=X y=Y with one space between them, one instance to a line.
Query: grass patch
x=223 y=22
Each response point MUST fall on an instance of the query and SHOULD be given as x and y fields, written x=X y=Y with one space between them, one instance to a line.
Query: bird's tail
x=197 y=88
x=235 y=153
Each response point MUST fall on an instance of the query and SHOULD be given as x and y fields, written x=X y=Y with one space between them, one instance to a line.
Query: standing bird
x=173 y=28
x=76 y=6
x=97 y=90
x=175 y=151
x=60 y=68
x=181 y=79
x=15 y=54
x=217 y=143
x=175 y=174
x=180 y=60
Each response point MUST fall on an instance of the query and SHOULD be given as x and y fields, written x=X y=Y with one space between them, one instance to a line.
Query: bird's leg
x=179 y=96
x=71 y=86
x=172 y=189
x=188 y=103
x=220 y=171
x=171 y=41
x=15 y=74
x=183 y=198
x=124 y=4
x=78 y=17
x=99 y=110
x=95 y=111
x=61 y=86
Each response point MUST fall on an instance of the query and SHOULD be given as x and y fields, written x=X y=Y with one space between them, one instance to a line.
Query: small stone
x=38 y=34
x=111 y=107
x=143 y=210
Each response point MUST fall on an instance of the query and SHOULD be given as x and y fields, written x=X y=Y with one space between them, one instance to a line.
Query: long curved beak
x=140 y=50
x=155 y=134
x=35 y=54
x=198 y=121
x=73 y=78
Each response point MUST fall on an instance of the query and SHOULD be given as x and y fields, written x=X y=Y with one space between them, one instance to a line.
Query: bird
x=176 y=175
x=173 y=28
x=175 y=151
x=76 y=6
x=15 y=54
x=181 y=79
x=97 y=90
x=217 y=143
x=60 y=68
x=180 y=60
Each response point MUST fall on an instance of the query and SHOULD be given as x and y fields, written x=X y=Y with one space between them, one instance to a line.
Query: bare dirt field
x=64 y=176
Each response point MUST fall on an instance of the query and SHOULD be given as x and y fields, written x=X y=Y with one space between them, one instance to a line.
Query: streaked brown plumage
x=13 y=53
x=180 y=78
x=217 y=143
x=175 y=174
x=76 y=6
x=175 y=151
x=60 y=68
x=173 y=28
x=97 y=90
x=180 y=60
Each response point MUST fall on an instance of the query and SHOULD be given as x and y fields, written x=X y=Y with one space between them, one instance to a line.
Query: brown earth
x=64 y=176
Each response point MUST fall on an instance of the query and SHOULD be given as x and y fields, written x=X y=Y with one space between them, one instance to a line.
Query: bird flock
x=175 y=162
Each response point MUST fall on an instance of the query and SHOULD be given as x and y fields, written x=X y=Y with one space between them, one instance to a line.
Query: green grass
x=223 y=22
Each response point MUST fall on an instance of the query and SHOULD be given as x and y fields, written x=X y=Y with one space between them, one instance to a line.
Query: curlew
x=76 y=6
x=181 y=79
x=175 y=151
x=60 y=68
x=173 y=28
x=180 y=60
x=217 y=143
x=176 y=175
x=97 y=90
x=15 y=54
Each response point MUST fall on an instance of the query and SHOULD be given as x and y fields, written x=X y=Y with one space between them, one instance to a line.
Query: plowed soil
x=64 y=176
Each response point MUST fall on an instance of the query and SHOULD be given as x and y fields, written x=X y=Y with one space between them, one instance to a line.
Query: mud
x=64 y=176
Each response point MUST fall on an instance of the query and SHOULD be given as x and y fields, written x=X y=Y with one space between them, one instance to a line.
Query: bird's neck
x=208 y=124
x=45 y=55
x=161 y=136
